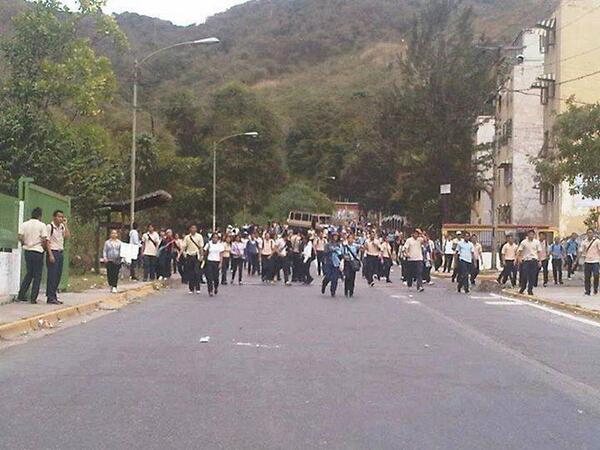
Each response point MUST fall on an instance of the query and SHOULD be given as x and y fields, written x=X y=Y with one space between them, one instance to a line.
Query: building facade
x=481 y=212
x=570 y=42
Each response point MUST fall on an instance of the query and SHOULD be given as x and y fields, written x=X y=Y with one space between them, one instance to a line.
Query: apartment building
x=518 y=128
x=570 y=42
x=481 y=211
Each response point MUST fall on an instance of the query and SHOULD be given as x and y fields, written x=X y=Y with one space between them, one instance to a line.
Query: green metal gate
x=9 y=222
x=35 y=196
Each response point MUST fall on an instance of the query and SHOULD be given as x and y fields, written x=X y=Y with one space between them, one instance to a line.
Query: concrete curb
x=557 y=305
x=487 y=277
x=50 y=319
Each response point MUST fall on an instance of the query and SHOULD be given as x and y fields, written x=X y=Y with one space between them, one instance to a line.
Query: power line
x=566 y=59
x=580 y=77
x=559 y=98
x=579 y=18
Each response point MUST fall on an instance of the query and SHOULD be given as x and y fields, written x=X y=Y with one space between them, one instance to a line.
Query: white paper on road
x=129 y=252
x=205 y=340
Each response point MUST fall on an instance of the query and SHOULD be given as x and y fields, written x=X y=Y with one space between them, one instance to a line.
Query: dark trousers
x=181 y=269
x=571 y=265
x=133 y=267
x=253 y=267
x=474 y=272
x=386 y=268
x=224 y=270
x=320 y=256
x=529 y=273
x=427 y=272
x=282 y=264
x=306 y=271
x=349 y=280
x=508 y=271
x=212 y=276
x=448 y=259
x=544 y=269
x=267 y=268
x=237 y=266
x=464 y=272
x=164 y=262
x=296 y=267
x=112 y=273
x=414 y=271
x=557 y=272
x=150 y=266
x=54 y=275
x=332 y=276
x=34 y=263
x=192 y=272
x=371 y=267
x=589 y=270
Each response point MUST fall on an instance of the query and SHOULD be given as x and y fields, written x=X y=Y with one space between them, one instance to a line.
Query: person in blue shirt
x=332 y=262
x=558 y=254
x=464 y=252
x=572 y=251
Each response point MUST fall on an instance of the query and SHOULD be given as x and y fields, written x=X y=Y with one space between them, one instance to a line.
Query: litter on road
x=205 y=340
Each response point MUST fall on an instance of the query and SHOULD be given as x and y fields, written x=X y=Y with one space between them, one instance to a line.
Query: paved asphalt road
x=382 y=371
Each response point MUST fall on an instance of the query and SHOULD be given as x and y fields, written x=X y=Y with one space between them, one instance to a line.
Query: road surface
x=288 y=368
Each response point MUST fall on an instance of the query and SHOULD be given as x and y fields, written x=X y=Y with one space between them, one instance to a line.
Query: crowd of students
x=276 y=253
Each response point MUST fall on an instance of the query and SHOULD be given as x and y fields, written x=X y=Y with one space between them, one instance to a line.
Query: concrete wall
x=10 y=272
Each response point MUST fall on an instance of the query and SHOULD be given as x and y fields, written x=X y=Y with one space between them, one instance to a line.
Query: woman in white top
x=111 y=256
x=214 y=255
x=266 y=254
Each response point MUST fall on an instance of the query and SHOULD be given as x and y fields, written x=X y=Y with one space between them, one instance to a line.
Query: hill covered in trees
x=316 y=77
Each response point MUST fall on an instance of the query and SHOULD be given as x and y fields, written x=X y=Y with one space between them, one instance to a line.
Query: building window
x=547 y=194
x=508 y=175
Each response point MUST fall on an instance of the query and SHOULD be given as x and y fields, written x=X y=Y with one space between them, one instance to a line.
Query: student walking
x=266 y=257
x=508 y=257
x=166 y=249
x=58 y=232
x=192 y=254
x=572 y=250
x=238 y=249
x=214 y=257
x=33 y=235
x=558 y=254
x=308 y=256
x=413 y=250
x=464 y=253
x=282 y=260
x=252 y=255
x=352 y=265
x=111 y=257
x=544 y=260
x=150 y=243
x=448 y=245
x=319 y=245
x=528 y=255
x=333 y=256
x=225 y=264
x=477 y=259
x=372 y=250
x=590 y=249
x=387 y=260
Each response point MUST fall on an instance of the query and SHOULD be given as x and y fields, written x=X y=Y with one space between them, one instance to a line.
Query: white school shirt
x=34 y=234
x=214 y=251
x=151 y=242
x=56 y=236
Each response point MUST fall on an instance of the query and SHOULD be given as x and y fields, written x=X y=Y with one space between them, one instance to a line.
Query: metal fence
x=9 y=222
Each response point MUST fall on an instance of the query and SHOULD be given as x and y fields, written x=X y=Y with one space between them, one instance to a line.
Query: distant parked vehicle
x=305 y=220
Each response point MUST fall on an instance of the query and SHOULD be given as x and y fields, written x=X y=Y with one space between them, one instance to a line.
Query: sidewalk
x=20 y=317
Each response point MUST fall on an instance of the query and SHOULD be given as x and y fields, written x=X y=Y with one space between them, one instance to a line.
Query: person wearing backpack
x=590 y=249
x=352 y=265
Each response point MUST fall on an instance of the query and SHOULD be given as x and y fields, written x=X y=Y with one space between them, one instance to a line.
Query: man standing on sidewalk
x=529 y=256
x=508 y=256
x=57 y=233
x=590 y=248
x=33 y=235
x=544 y=259
x=557 y=252
x=464 y=253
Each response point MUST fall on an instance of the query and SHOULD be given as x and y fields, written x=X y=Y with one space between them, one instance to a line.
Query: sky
x=180 y=12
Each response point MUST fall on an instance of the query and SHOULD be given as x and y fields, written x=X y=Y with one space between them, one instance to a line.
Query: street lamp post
x=136 y=68
x=214 y=190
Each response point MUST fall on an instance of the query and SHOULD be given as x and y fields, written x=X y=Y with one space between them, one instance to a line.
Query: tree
x=53 y=93
x=577 y=157
x=427 y=121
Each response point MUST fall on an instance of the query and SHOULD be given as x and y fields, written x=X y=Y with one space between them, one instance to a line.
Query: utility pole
x=494 y=213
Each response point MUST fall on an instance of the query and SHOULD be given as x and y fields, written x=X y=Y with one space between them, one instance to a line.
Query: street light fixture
x=253 y=134
x=136 y=68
